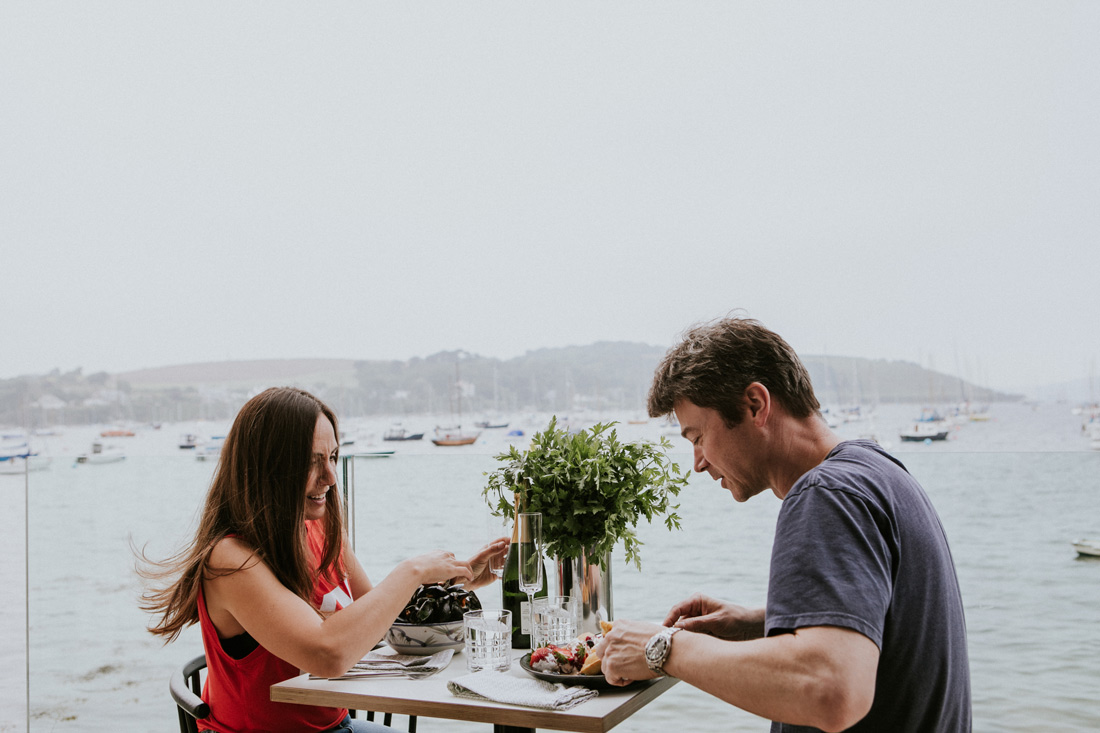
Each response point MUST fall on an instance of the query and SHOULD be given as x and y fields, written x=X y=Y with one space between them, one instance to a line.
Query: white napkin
x=488 y=684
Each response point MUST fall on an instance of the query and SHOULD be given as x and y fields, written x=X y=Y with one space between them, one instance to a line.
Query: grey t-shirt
x=859 y=545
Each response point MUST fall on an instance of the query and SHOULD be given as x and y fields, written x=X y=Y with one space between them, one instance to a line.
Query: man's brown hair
x=715 y=363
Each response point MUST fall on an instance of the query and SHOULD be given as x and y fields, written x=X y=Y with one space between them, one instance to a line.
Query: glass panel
x=1013 y=493
x=14 y=489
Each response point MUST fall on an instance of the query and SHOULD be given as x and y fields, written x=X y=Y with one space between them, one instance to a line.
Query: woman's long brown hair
x=257 y=495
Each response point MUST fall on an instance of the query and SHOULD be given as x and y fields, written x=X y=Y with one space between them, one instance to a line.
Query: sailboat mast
x=458 y=393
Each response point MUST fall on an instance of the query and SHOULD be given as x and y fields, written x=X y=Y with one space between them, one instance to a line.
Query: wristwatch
x=658 y=647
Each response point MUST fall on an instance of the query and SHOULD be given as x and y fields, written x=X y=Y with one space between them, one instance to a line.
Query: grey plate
x=597 y=681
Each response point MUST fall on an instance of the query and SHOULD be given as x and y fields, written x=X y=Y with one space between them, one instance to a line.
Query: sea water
x=1012 y=493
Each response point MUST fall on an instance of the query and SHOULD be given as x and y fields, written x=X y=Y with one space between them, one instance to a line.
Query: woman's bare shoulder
x=231 y=553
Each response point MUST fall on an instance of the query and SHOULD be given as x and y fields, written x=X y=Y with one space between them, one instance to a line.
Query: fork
x=412 y=674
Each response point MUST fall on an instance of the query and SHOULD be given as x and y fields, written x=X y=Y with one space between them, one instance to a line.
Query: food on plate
x=592 y=665
x=558 y=659
x=575 y=658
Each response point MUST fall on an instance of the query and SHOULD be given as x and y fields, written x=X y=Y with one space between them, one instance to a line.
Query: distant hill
x=601 y=376
x=240 y=373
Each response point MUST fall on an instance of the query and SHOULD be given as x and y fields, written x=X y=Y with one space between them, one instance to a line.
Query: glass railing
x=1013 y=493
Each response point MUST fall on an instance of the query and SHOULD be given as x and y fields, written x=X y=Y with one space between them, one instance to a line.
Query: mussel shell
x=437 y=604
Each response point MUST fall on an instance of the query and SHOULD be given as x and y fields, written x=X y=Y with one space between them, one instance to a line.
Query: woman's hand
x=479 y=563
x=722 y=619
x=439 y=566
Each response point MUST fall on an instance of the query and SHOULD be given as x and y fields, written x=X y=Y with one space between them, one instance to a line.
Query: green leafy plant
x=590 y=488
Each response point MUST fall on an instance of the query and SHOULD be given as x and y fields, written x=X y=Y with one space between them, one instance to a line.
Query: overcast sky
x=188 y=182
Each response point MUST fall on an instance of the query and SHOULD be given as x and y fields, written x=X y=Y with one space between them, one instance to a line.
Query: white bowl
x=425 y=638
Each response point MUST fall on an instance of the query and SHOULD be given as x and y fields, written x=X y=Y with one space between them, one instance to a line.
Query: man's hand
x=622 y=651
x=722 y=619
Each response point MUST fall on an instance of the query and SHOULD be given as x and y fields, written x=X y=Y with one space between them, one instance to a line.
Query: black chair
x=186 y=685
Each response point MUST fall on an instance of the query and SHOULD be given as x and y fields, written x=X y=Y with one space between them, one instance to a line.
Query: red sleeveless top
x=237 y=690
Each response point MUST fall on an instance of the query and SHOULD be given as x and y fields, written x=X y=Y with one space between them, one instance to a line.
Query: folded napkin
x=377 y=664
x=488 y=684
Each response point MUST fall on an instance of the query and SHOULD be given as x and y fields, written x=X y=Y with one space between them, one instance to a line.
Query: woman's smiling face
x=322 y=470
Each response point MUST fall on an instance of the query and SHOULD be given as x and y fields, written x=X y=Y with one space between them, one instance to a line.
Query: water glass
x=555 y=620
x=496 y=527
x=488 y=640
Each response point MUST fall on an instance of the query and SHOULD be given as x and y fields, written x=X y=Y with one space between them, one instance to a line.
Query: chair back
x=185 y=685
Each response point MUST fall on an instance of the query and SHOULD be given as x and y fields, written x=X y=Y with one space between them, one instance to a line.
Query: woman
x=268 y=570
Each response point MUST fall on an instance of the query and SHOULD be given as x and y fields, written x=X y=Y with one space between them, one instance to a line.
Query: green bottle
x=512 y=598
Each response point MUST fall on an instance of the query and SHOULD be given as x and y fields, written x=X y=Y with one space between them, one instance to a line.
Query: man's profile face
x=726 y=453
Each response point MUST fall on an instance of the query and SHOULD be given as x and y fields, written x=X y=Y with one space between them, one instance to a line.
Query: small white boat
x=922 y=431
x=1092 y=429
x=210 y=450
x=16 y=458
x=490 y=424
x=1090 y=548
x=102 y=454
x=188 y=441
x=15 y=465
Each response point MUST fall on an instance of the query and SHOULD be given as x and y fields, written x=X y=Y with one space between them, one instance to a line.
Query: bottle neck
x=519 y=506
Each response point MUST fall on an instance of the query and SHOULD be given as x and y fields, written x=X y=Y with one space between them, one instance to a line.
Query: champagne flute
x=495 y=529
x=530 y=559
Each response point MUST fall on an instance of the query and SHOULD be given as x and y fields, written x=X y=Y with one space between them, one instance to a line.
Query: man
x=863 y=628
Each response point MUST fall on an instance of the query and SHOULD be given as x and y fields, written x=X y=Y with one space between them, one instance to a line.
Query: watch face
x=655 y=650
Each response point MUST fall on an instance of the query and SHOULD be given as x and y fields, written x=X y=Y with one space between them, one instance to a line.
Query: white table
x=429 y=697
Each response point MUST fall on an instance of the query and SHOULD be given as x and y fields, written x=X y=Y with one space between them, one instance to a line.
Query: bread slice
x=591 y=664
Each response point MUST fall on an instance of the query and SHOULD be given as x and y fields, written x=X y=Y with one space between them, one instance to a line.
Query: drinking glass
x=555 y=621
x=488 y=636
x=495 y=528
x=530 y=557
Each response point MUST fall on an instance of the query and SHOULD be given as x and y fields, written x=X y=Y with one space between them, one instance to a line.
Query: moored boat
x=399 y=433
x=188 y=441
x=489 y=425
x=455 y=437
x=16 y=458
x=102 y=454
x=210 y=450
x=922 y=431
x=21 y=464
x=1085 y=547
x=1091 y=428
x=117 y=433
